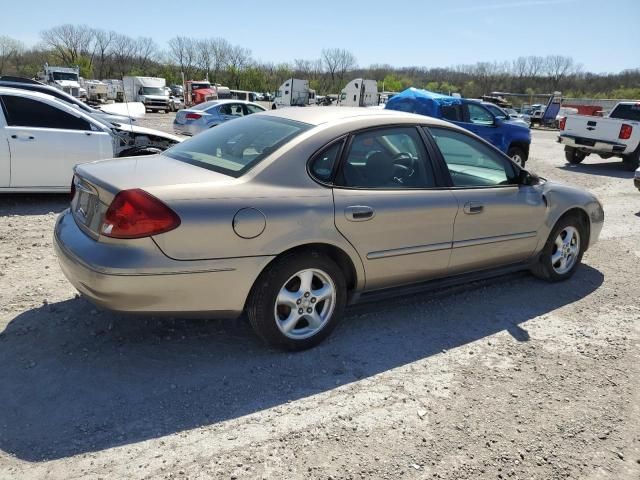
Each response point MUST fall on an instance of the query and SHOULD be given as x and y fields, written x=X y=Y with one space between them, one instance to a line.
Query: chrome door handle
x=471 y=208
x=359 y=213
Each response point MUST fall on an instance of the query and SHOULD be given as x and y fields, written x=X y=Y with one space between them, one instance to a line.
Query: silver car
x=292 y=214
x=203 y=116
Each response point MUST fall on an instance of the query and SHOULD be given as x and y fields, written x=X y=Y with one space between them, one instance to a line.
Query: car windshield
x=65 y=76
x=236 y=146
x=153 y=91
x=626 y=111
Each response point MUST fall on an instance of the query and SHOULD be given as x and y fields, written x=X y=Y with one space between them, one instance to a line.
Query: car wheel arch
x=354 y=277
x=582 y=215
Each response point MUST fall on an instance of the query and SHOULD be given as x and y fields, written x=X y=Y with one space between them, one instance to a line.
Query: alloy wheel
x=305 y=303
x=565 y=250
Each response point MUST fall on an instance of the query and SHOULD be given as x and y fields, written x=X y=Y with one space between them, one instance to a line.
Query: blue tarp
x=423 y=102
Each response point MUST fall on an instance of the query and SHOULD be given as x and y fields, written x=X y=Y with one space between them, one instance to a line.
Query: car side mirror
x=528 y=178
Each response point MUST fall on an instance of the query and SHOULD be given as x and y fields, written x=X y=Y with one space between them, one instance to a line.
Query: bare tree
x=145 y=49
x=69 y=42
x=337 y=62
x=103 y=43
x=123 y=50
x=557 y=67
x=238 y=60
x=10 y=49
x=184 y=52
x=219 y=51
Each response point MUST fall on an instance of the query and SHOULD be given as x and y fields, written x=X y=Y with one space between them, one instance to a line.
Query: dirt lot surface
x=508 y=379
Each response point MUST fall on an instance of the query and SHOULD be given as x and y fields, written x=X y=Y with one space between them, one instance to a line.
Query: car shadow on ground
x=76 y=379
x=608 y=169
x=33 y=204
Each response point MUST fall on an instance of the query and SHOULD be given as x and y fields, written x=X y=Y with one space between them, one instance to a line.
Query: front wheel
x=562 y=253
x=298 y=300
x=518 y=155
x=573 y=155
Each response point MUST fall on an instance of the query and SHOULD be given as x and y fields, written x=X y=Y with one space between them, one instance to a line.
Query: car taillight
x=625 y=132
x=563 y=122
x=193 y=116
x=137 y=214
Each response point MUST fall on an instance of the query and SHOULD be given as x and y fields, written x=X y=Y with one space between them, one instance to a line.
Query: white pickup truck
x=616 y=135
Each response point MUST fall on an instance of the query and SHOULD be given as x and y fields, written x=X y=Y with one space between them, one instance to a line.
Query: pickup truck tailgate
x=594 y=128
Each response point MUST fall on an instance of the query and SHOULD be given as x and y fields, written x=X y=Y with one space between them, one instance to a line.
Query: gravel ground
x=508 y=379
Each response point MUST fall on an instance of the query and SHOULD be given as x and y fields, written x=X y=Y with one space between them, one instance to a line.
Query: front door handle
x=359 y=213
x=19 y=137
x=472 y=208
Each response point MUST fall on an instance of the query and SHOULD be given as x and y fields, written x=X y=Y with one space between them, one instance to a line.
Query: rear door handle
x=359 y=213
x=471 y=208
x=18 y=137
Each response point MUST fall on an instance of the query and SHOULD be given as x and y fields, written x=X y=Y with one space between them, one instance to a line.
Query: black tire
x=261 y=303
x=573 y=155
x=631 y=162
x=543 y=267
x=517 y=152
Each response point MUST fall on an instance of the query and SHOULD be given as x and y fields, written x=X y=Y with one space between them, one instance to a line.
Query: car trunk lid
x=97 y=183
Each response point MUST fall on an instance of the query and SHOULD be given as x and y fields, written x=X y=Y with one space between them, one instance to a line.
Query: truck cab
x=148 y=90
x=359 y=92
x=292 y=93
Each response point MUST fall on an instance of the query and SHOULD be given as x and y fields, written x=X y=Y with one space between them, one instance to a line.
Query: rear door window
x=26 y=112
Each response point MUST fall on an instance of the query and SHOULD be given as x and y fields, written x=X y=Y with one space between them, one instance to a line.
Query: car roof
x=319 y=115
x=26 y=93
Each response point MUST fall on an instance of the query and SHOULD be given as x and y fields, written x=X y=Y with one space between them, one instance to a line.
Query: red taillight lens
x=136 y=214
x=193 y=116
x=563 y=122
x=625 y=132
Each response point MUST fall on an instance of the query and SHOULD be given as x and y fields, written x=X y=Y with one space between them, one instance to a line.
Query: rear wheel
x=562 y=253
x=573 y=155
x=631 y=162
x=298 y=300
x=518 y=155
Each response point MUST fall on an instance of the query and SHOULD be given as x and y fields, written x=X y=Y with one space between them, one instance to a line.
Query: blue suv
x=510 y=136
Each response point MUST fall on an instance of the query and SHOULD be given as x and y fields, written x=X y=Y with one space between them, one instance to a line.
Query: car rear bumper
x=186 y=129
x=590 y=144
x=141 y=279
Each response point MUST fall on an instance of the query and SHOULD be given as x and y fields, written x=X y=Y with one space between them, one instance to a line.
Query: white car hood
x=123 y=127
x=129 y=109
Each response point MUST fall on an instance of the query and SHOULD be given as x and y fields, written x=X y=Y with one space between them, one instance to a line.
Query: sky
x=401 y=33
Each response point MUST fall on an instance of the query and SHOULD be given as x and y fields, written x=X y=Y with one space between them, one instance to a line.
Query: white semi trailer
x=359 y=92
x=292 y=93
x=148 y=90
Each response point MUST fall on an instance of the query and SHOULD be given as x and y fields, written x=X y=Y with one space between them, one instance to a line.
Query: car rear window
x=627 y=112
x=237 y=145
